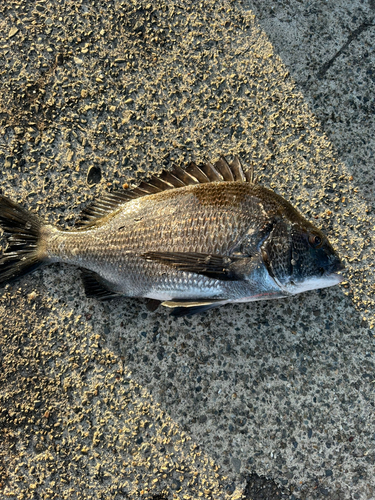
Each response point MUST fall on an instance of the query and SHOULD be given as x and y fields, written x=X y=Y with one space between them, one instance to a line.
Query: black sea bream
x=192 y=238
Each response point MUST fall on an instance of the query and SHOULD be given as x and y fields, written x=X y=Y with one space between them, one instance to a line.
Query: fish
x=191 y=239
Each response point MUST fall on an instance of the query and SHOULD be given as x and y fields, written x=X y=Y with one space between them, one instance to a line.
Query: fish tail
x=23 y=232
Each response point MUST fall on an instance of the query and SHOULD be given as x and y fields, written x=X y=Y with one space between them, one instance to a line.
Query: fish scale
x=153 y=223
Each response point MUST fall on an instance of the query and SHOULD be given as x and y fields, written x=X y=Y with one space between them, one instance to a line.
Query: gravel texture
x=265 y=400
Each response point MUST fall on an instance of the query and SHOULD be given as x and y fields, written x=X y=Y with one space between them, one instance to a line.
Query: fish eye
x=315 y=240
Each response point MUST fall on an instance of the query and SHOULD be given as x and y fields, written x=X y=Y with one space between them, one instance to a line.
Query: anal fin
x=97 y=287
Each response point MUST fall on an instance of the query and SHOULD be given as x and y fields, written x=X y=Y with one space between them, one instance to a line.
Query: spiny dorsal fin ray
x=237 y=170
x=177 y=177
x=212 y=173
x=169 y=178
x=197 y=172
x=224 y=168
x=182 y=174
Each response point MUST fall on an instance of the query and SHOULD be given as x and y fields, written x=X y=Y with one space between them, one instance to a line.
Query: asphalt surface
x=265 y=400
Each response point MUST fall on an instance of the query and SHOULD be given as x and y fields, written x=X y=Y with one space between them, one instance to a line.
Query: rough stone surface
x=266 y=400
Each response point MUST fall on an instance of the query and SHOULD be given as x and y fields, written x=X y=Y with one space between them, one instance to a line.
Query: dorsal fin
x=177 y=177
x=102 y=207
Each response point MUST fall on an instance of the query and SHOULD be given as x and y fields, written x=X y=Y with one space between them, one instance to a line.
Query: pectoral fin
x=212 y=266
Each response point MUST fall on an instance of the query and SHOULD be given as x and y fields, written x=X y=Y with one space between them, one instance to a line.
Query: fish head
x=300 y=258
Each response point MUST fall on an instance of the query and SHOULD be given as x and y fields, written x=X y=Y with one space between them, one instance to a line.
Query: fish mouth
x=337 y=265
x=331 y=274
x=337 y=277
x=313 y=283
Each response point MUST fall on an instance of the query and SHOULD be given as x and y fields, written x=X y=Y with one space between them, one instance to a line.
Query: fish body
x=192 y=239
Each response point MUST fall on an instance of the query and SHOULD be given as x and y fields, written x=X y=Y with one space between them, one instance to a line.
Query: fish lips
x=325 y=280
x=329 y=277
x=334 y=278
x=332 y=273
x=338 y=266
x=335 y=266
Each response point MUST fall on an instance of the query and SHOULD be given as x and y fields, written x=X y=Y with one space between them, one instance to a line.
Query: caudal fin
x=22 y=230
